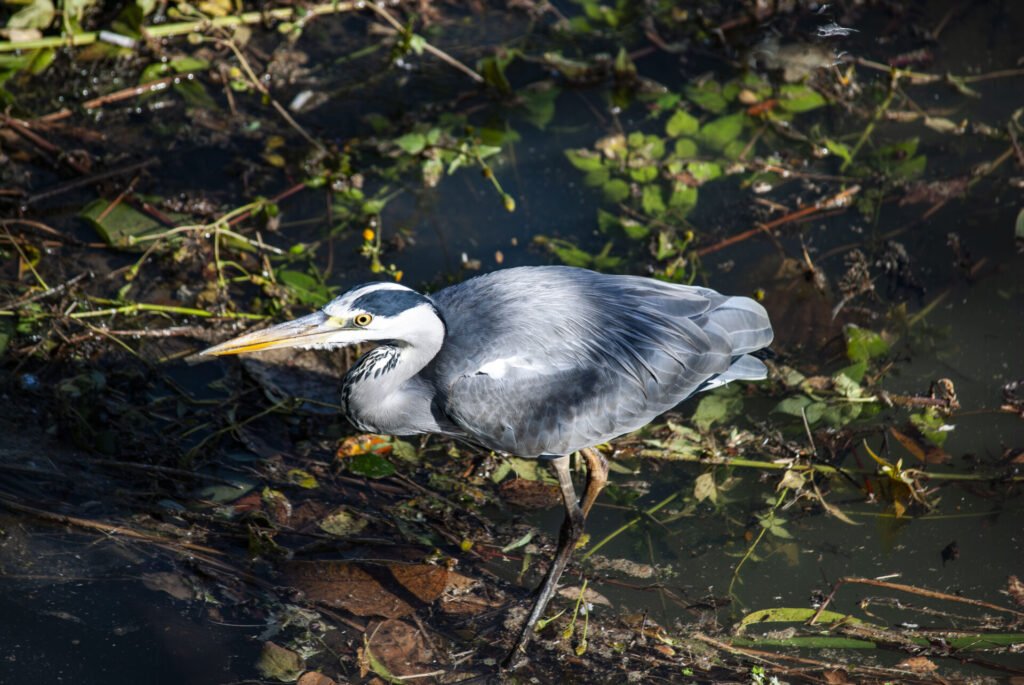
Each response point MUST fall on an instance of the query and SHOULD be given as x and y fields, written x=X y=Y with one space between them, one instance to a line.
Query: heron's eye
x=362 y=319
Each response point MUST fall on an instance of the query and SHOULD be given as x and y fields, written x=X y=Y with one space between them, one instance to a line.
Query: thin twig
x=440 y=54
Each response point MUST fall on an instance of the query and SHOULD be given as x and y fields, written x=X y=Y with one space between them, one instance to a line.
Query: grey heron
x=533 y=361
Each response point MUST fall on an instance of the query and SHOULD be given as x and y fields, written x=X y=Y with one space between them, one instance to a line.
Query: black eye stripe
x=388 y=302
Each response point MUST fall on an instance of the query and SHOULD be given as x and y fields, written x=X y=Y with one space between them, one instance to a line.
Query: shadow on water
x=158 y=513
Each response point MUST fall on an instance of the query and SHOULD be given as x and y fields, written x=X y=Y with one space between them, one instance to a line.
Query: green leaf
x=607 y=222
x=719 y=405
x=840 y=415
x=684 y=198
x=634 y=230
x=185 y=64
x=932 y=426
x=704 y=171
x=792 y=405
x=585 y=160
x=370 y=465
x=615 y=190
x=417 y=43
x=862 y=344
x=682 y=123
x=304 y=287
x=651 y=201
x=121 y=226
x=720 y=132
x=798 y=97
x=493 y=70
x=685 y=148
x=413 y=143
x=303 y=479
x=855 y=372
x=596 y=177
x=37 y=14
x=838 y=149
x=644 y=174
x=538 y=104
x=707 y=96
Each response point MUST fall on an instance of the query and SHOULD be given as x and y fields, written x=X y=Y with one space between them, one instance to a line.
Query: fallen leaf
x=171 y=583
x=280 y=663
x=917 y=664
x=390 y=590
x=314 y=678
x=399 y=647
x=529 y=494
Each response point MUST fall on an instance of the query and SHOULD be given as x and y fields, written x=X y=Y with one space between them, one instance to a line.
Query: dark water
x=84 y=631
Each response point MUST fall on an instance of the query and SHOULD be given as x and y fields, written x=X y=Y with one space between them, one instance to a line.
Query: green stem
x=626 y=526
x=182 y=28
x=822 y=468
x=753 y=545
x=895 y=75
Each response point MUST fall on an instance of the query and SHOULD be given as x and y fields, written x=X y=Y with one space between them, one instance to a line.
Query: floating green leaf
x=615 y=190
x=707 y=96
x=651 y=201
x=370 y=465
x=681 y=123
x=862 y=344
x=838 y=149
x=718 y=133
x=413 y=143
x=585 y=160
x=685 y=148
x=718 y=406
x=704 y=171
x=799 y=97
x=121 y=226
x=932 y=426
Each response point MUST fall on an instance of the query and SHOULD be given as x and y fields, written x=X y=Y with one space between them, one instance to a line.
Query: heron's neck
x=380 y=392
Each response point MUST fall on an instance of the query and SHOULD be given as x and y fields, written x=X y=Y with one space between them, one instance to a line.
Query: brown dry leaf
x=917 y=664
x=624 y=566
x=390 y=590
x=931 y=192
x=463 y=596
x=1015 y=588
x=590 y=596
x=836 y=677
x=529 y=494
x=314 y=678
x=399 y=647
x=171 y=583
x=819 y=383
x=928 y=454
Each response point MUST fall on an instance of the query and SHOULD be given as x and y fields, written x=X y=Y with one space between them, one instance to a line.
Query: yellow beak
x=314 y=330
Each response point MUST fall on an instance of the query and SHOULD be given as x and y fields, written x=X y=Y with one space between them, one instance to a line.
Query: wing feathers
x=547 y=360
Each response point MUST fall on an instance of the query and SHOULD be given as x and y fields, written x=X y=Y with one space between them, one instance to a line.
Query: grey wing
x=570 y=358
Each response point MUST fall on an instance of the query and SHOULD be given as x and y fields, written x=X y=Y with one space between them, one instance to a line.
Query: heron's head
x=372 y=312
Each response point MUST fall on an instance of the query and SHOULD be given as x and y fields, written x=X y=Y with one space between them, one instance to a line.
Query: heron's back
x=548 y=360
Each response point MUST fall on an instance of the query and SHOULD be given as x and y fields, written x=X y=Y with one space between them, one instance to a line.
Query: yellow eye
x=362 y=319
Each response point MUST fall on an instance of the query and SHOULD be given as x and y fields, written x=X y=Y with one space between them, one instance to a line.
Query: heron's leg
x=597 y=476
x=572 y=529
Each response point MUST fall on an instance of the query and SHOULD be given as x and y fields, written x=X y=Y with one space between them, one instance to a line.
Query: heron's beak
x=317 y=329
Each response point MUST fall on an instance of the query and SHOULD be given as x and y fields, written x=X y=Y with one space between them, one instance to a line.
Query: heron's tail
x=746 y=323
